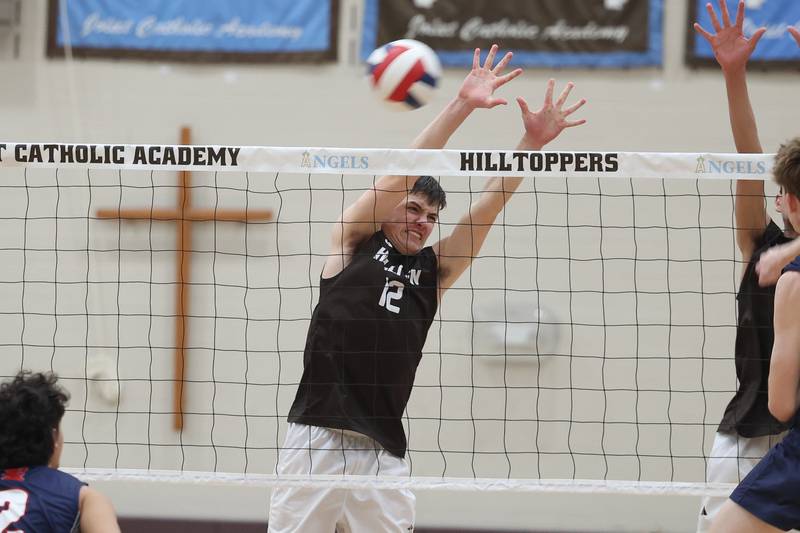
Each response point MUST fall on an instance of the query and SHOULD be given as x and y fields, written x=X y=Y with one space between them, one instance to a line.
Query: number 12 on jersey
x=393 y=290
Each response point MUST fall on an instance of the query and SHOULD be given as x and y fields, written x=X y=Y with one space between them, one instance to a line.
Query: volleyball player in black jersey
x=768 y=498
x=747 y=430
x=379 y=291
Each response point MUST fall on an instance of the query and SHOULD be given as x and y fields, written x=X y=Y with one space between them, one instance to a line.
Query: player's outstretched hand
x=546 y=123
x=731 y=48
x=479 y=85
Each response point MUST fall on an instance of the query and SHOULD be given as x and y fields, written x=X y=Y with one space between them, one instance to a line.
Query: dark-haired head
x=412 y=220
x=787 y=167
x=31 y=408
x=428 y=187
x=786 y=172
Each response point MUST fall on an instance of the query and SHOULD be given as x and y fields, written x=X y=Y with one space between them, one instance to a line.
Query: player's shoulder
x=772 y=235
x=429 y=254
x=788 y=286
x=371 y=239
x=53 y=478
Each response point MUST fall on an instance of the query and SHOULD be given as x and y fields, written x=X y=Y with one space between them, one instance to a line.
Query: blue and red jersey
x=39 y=499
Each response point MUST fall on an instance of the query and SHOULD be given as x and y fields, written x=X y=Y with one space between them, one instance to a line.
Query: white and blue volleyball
x=404 y=74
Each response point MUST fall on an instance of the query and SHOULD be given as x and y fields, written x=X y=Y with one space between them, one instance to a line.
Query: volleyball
x=404 y=74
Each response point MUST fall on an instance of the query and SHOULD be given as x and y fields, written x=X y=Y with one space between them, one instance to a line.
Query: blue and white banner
x=541 y=33
x=776 y=48
x=204 y=30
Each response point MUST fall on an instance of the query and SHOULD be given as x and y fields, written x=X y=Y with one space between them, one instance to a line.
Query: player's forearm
x=495 y=196
x=530 y=143
x=498 y=191
x=740 y=112
x=750 y=209
x=376 y=204
x=439 y=131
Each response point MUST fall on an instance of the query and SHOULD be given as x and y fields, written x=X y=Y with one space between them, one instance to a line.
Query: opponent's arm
x=457 y=251
x=362 y=219
x=784 y=367
x=97 y=513
x=732 y=50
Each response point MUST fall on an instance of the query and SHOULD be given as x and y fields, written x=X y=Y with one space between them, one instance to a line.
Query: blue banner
x=776 y=47
x=541 y=33
x=195 y=29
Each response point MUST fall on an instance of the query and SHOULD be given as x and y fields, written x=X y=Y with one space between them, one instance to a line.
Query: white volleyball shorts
x=323 y=451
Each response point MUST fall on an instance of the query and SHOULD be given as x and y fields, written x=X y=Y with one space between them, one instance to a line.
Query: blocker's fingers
x=523 y=105
x=564 y=95
x=490 y=57
x=502 y=64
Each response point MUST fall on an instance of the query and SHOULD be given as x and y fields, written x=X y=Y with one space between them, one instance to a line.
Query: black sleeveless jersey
x=365 y=341
x=747 y=413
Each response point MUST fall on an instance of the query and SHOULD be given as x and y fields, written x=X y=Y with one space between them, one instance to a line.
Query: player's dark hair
x=431 y=190
x=31 y=406
x=786 y=170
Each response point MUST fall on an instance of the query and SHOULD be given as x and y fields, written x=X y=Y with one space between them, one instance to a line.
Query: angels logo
x=701 y=165
x=729 y=166
x=325 y=160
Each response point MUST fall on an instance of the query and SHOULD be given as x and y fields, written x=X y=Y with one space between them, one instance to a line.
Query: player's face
x=411 y=223
x=779 y=207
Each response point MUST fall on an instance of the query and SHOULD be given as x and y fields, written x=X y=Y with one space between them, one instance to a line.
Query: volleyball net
x=589 y=347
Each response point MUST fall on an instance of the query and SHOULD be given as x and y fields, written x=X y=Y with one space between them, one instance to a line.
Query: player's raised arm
x=457 y=251
x=732 y=50
x=362 y=219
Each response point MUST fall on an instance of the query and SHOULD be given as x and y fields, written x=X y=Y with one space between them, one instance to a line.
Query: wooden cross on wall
x=184 y=215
